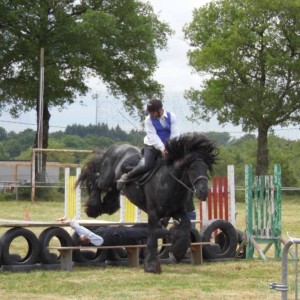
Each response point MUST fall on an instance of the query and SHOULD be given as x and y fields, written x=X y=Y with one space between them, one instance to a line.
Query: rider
x=160 y=127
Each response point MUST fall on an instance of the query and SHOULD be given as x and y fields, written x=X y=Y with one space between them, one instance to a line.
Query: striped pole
x=129 y=212
x=72 y=195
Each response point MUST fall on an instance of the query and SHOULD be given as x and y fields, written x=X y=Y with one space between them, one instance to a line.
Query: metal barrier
x=283 y=286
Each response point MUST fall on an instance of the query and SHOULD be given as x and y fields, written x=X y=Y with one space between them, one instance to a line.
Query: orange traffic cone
x=27 y=214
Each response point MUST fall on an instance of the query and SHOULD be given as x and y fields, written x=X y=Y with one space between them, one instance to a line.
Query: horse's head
x=197 y=173
x=197 y=154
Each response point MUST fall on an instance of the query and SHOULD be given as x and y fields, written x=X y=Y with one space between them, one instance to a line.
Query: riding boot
x=137 y=171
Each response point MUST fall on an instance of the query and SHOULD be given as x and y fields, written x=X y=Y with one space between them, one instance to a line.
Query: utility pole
x=41 y=114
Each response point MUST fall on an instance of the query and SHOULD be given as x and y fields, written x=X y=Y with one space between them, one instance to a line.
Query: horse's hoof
x=152 y=271
x=152 y=268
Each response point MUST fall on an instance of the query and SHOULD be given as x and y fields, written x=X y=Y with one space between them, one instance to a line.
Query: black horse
x=163 y=194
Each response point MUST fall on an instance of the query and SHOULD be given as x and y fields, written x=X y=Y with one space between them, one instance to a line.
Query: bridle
x=193 y=182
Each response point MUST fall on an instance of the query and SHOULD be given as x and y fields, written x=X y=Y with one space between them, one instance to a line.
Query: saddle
x=135 y=160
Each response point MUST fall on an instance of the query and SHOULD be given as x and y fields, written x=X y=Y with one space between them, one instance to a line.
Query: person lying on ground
x=86 y=236
x=113 y=235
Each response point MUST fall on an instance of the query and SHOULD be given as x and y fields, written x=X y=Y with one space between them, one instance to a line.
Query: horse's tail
x=89 y=173
x=94 y=205
x=88 y=178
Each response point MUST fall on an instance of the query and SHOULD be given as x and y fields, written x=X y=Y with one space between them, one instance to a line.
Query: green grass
x=219 y=280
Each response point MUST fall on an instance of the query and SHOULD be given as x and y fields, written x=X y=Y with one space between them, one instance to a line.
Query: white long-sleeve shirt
x=80 y=230
x=152 y=139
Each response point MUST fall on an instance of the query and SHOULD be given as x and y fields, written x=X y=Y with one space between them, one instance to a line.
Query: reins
x=192 y=182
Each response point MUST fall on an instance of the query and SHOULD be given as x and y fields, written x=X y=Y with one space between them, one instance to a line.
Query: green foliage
x=220 y=138
x=3 y=134
x=237 y=152
x=284 y=153
x=250 y=51
x=242 y=151
x=102 y=131
x=18 y=146
x=122 y=38
x=113 y=41
x=16 y=143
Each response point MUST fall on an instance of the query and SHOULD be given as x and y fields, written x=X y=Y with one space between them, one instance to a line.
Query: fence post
x=128 y=211
x=231 y=193
x=249 y=210
x=277 y=223
x=72 y=195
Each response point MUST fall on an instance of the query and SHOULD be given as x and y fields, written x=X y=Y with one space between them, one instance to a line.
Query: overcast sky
x=173 y=73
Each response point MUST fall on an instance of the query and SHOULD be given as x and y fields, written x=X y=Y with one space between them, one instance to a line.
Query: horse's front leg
x=180 y=238
x=152 y=263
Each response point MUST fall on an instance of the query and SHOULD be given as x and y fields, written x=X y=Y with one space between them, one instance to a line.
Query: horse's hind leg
x=152 y=263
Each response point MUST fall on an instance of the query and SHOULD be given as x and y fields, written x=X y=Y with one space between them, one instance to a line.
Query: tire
x=0 y=253
x=195 y=235
x=117 y=254
x=221 y=240
x=88 y=256
x=164 y=251
x=45 y=238
x=30 y=258
x=226 y=240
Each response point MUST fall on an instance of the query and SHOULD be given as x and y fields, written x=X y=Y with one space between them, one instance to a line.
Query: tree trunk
x=41 y=176
x=262 y=160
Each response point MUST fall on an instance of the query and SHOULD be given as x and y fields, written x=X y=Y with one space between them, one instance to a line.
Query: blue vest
x=163 y=132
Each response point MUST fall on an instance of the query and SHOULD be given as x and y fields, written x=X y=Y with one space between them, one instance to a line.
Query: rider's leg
x=150 y=155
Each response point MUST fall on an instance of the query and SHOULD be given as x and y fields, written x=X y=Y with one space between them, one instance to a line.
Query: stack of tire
x=227 y=240
x=37 y=248
x=225 y=246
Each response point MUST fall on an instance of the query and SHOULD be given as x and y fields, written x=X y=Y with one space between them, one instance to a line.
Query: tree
x=18 y=142
x=3 y=134
x=221 y=138
x=114 y=40
x=249 y=52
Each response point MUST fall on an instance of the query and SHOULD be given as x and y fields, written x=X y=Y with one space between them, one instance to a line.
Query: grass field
x=219 y=280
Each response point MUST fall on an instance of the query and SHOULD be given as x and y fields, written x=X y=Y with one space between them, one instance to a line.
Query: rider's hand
x=63 y=220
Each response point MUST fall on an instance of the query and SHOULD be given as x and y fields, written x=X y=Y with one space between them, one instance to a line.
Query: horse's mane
x=190 y=146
